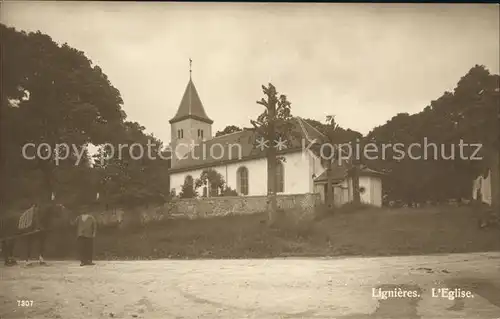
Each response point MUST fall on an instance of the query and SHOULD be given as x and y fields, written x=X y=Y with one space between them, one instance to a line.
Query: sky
x=363 y=63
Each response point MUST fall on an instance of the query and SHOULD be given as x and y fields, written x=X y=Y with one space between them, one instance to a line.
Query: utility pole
x=277 y=116
x=329 y=186
x=266 y=127
x=271 y=161
x=330 y=133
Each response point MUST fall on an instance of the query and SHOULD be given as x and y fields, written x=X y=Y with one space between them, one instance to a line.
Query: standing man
x=86 y=231
x=8 y=252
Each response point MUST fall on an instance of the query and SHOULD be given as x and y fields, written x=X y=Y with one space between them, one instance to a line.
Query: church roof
x=229 y=146
x=191 y=106
x=340 y=172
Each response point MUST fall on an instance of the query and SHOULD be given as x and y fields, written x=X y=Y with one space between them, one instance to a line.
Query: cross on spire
x=190 y=70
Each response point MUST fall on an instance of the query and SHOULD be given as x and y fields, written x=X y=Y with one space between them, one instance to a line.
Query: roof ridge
x=304 y=131
x=190 y=88
x=305 y=121
x=336 y=146
x=237 y=132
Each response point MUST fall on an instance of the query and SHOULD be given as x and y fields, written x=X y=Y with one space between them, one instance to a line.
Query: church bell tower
x=190 y=125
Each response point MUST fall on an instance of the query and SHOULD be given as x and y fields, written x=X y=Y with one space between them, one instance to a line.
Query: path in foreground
x=274 y=288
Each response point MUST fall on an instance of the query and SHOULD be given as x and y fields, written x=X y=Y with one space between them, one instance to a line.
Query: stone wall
x=241 y=205
x=299 y=206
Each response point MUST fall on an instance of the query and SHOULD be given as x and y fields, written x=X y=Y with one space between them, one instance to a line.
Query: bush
x=228 y=191
x=350 y=208
x=323 y=211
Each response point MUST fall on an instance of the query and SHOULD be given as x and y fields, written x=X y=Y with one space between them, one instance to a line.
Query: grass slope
x=366 y=232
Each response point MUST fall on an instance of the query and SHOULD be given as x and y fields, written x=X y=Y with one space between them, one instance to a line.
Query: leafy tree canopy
x=52 y=93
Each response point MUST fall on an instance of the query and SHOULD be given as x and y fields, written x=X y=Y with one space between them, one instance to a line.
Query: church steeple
x=190 y=125
x=191 y=106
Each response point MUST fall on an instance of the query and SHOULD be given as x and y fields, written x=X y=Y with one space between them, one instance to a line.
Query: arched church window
x=280 y=172
x=242 y=180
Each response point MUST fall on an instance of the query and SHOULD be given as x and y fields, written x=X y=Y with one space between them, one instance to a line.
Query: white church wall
x=177 y=179
x=296 y=175
x=315 y=168
x=257 y=175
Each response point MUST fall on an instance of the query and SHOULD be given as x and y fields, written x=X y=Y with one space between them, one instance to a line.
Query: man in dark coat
x=8 y=252
x=86 y=231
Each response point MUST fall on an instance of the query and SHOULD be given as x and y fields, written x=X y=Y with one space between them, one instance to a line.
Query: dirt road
x=274 y=288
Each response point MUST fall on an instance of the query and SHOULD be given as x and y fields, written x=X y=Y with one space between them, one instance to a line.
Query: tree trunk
x=329 y=186
x=271 y=166
x=355 y=184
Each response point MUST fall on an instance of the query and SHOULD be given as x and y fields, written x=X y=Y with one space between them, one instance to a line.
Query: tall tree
x=468 y=114
x=477 y=116
x=51 y=94
x=134 y=170
x=272 y=125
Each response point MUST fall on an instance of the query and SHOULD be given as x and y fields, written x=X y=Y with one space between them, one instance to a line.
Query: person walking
x=86 y=231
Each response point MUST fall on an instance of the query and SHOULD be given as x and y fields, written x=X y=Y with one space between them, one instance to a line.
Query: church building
x=240 y=158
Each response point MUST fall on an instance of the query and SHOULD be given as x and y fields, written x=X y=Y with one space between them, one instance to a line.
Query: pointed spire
x=191 y=106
